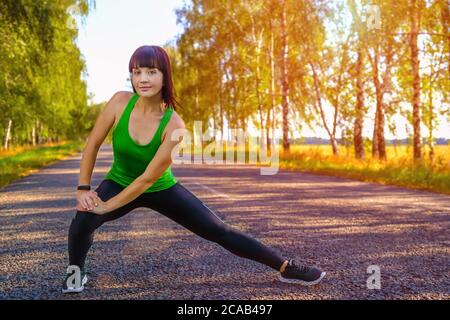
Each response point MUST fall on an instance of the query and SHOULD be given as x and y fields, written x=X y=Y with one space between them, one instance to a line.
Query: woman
x=143 y=123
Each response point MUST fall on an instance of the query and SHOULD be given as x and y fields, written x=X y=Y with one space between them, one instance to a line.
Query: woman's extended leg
x=180 y=205
x=81 y=231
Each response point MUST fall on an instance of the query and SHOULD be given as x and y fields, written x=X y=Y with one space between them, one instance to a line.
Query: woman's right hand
x=87 y=200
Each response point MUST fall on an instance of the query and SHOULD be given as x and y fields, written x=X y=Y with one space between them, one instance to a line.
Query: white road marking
x=220 y=194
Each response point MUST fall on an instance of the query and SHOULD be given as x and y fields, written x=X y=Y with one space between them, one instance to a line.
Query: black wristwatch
x=84 y=187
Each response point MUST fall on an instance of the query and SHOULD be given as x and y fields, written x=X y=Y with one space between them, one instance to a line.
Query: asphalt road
x=340 y=225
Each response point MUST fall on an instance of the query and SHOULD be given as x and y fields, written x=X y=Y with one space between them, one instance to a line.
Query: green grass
x=398 y=170
x=22 y=161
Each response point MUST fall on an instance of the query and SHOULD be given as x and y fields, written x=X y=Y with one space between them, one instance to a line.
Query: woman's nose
x=145 y=77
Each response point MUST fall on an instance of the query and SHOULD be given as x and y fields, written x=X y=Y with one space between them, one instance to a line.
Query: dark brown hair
x=156 y=57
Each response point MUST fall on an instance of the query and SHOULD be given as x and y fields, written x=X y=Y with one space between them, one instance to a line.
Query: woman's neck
x=150 y=105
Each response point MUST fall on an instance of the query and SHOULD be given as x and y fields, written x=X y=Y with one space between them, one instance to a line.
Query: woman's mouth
x=145 y=88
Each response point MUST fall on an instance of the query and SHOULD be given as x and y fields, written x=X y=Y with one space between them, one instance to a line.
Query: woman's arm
x=160 y=162
x=96 y=137
x=102 y=125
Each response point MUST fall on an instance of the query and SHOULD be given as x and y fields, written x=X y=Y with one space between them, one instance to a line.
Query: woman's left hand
x=100 y=208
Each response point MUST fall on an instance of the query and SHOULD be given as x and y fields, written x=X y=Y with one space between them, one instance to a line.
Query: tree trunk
x=269 y=122
x=8 y=134
x=274 y=120
x=380 y=131
x=378 y=145
x=415 y=26
x=375 y=145
x=445 y=21
x=257 y=86
x=358 y=138
x=234 y=116
x=322 y=114
x=33 y=136
x=220 y=102
x=430 y=123
x=284 y=80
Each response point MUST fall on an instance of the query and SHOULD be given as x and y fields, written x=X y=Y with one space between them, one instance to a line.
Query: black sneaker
x=303 y=275
x=66 y=288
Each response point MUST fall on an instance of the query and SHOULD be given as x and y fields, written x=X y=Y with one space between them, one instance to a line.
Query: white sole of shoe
x=301 y=282
x=76 y=290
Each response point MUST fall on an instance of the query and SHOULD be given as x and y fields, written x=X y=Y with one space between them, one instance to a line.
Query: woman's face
x=147 y=81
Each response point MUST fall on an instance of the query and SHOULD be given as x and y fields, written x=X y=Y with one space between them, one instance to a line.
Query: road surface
x=345 y=227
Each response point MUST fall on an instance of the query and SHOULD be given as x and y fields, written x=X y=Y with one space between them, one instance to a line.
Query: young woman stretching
x=141 y=175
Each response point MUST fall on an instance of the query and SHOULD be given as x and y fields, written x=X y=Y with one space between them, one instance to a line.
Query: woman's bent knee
x=86 y=221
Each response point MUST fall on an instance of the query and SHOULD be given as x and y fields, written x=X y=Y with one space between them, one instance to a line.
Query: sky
x=111 y=33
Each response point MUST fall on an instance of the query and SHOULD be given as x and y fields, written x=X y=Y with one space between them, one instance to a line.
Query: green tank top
x=130 y=158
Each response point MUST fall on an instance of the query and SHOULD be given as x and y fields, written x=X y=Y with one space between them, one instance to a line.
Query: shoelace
x=301 y=268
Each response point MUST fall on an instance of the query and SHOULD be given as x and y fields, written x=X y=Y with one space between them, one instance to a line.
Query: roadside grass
x=399 y=168
x=22 y=161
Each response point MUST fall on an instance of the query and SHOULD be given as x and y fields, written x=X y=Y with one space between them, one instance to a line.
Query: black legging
x=178 y=204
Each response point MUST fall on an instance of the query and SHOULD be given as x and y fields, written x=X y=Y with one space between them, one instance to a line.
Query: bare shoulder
x=120 y=97
x=176 y=121
x=122 y=94
x=118 y=103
